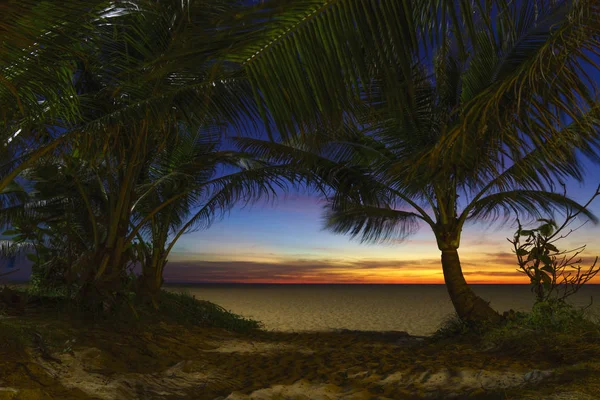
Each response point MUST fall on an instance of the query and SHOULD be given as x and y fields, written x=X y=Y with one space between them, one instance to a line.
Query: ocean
x=416 y=309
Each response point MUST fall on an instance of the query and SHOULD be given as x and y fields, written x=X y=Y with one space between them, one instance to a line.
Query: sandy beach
x=416 y=309
x=174 y=362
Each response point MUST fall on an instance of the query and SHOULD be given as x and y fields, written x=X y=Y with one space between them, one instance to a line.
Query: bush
x=552 y=326
x=186 y=309
x=180 y=308
x=558 y=317
x=454 y=327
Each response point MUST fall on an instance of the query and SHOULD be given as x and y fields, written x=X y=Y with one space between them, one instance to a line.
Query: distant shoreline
x=339 y=284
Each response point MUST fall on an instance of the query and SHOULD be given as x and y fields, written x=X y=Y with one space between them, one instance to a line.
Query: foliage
x=141 y=163
x=554 y=274
x=454 y=327
x=322 y=54
x=556 y=316
x=65 y=221
x=552 y=330
x=176 y=307
x=448 y=139
x=555 y=327
x=186 y=309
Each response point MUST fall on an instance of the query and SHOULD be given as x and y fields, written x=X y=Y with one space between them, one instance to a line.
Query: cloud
x=503 y=255
x=268 y=267
x=328 y=270
x=490 y=267
x=319 y=270
x=495 y=273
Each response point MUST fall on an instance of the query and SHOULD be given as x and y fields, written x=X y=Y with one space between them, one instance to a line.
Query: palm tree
x=474 y=132
x=186 y=186
x=140 y=71
x=61 y=220
x=58 y=220
x=134 y=90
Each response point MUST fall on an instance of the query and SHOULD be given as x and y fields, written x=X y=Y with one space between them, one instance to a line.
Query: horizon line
x=330 y=283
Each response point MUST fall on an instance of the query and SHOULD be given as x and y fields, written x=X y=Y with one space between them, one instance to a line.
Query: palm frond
x=553 y=162
x=10 y=249
x=539 y=82
x=372 y=224
x=318 y=52
x=527 y=203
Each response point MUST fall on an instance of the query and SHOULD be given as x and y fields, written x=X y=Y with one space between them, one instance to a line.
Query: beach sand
x=416 y=309
x=176 y=362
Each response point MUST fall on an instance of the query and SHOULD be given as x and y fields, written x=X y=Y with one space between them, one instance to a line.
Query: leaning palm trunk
x=467 y=304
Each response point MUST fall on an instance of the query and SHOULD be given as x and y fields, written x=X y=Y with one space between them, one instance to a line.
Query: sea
x=416 y=309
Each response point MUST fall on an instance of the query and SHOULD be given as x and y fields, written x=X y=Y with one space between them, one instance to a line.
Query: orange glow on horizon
x=273 y=268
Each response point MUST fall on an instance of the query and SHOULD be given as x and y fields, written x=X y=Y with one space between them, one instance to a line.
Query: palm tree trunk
x=467 y=304
x=151 y=279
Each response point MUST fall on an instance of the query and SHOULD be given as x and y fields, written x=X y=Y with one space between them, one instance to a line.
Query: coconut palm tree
x=480 y=129
x=143 y=70
x=188 y=184
x=376 y=196
x=134 y=90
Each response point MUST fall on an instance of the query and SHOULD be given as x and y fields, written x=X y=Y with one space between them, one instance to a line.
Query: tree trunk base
x=467 y=304
x=475 y=309
x=148 y=291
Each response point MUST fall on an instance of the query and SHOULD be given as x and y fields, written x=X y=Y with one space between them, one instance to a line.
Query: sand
x=175 y=362
x=416 y=309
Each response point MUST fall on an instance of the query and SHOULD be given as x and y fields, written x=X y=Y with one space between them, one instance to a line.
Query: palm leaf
x=372 y=224
x=529 y=203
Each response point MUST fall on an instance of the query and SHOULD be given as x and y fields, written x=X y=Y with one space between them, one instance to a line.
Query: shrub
x=551 y=326
x=557 y=316
x=454 y=327
x=186 y=309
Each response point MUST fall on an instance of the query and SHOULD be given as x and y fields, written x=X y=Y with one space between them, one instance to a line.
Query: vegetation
x=185 y=309
x=115 y=121
x=553 y=325
x=450 y=138
x=554 y=274
x=175 y=308
x=143 y=163
x=553 y=330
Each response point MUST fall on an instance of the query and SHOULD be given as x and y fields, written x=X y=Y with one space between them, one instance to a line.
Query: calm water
x=417 y=309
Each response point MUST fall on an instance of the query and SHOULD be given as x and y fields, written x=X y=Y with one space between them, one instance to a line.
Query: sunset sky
x=284 y=243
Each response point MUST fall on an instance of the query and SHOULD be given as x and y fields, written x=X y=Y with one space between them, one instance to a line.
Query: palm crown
x=456 y=139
